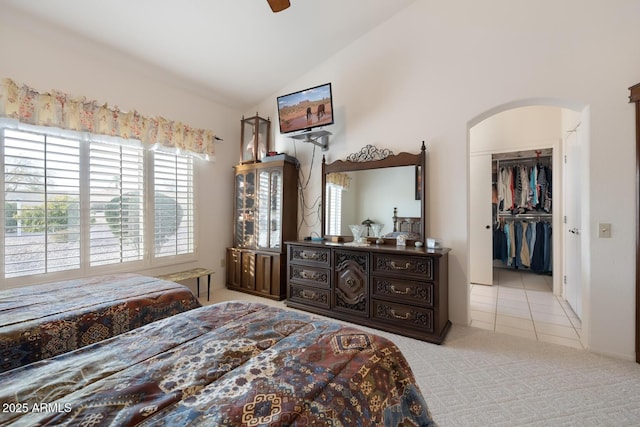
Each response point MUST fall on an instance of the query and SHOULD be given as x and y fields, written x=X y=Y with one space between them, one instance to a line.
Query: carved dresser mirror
x=374 y=188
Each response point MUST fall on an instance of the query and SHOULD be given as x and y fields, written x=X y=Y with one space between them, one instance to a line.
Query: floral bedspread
x=228 y=364
x=38 y=322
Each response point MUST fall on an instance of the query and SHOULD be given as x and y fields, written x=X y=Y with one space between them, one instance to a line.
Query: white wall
x=433 y=69
x=517 y=129
x=47 y=59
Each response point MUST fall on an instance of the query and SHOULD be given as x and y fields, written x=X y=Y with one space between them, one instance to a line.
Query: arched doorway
x=518 y=128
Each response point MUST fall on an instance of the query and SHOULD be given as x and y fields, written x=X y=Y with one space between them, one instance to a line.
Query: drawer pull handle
x=396 y=266
x=308 y=294
x=309 y=255
x=310 y=275
x=397 y=316
x=396 y=291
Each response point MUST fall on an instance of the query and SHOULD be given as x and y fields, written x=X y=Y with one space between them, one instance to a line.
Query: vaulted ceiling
x=236 y=52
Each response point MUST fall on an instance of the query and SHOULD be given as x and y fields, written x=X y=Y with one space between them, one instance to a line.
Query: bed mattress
x=38 y=322
x=228 y=364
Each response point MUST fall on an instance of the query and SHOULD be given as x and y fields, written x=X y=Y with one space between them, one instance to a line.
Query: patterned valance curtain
x=60 y=110
x=339 y=179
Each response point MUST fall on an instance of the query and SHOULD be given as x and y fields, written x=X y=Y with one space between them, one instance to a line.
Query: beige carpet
x=482 y=378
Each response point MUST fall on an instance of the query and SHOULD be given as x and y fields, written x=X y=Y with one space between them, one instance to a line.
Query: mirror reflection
x=353 y=197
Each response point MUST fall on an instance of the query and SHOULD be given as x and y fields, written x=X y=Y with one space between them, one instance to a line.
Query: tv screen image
x=306 y=109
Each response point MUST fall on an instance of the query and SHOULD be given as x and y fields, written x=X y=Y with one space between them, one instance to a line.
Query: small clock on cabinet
x=254 y=138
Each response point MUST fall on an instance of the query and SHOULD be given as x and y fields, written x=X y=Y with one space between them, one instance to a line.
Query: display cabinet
x=265 y=215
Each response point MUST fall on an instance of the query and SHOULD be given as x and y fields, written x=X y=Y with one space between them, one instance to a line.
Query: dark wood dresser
x=396 y=289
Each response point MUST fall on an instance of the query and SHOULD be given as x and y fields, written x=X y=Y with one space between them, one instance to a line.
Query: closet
x=522 y=185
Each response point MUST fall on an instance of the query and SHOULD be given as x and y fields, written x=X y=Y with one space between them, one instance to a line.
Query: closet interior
x=522 y=210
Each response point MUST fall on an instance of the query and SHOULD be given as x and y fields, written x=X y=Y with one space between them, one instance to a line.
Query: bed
x=38 y=322
x=233 y=364
x=410 y=226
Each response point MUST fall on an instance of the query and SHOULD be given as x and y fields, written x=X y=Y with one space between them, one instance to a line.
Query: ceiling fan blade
x=278 y=5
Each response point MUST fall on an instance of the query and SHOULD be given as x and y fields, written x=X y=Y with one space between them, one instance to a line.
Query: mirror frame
x=370 y=157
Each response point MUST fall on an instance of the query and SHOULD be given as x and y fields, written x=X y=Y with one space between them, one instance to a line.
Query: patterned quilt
x=38 y=322
x=228 y=364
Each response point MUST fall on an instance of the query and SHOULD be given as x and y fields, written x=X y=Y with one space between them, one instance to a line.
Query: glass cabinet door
x=269 y=209
x=245 y=210
x=275 y=214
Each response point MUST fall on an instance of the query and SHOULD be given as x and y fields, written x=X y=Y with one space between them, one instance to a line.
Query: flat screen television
x=306 y=109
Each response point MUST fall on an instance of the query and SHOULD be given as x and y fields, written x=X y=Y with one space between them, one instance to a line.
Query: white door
x=572 y=224
x=481 y=231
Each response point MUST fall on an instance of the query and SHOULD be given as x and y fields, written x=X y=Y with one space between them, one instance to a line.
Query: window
x=334 y=209
x=116 y=203
x=41 y=203
x=77 y=203
x=173 y=202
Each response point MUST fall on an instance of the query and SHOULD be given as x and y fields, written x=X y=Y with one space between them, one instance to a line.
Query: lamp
x=367 y=223
x=254 y=139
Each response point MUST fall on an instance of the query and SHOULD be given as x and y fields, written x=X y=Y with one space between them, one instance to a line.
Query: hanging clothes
x=524 y=243
x=544 y=186
x=522 y=234
x=524 y=187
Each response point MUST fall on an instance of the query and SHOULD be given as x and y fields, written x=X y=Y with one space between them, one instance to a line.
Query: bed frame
x=409 y=224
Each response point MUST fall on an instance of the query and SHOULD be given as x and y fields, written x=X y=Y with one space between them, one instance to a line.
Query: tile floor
x=521 y=303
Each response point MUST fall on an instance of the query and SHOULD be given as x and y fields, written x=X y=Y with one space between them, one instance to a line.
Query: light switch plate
x=604 y=231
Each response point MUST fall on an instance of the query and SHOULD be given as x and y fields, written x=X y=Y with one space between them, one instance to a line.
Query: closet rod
x=525 y=216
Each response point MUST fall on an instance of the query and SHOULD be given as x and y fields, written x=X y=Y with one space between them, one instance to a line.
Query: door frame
x=634 y=97
x=569 y=220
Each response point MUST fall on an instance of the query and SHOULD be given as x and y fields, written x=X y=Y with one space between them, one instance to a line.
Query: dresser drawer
x=403 y=265
x=309 y=295
x=410 y=292
x=320 y=257
x=309 y=275
x=403 y=315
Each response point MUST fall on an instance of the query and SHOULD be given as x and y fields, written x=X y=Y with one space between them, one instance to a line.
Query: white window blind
x=334 y=209
x=173 y=203
x=77 y=202
x=41 y=203
x=116 y=176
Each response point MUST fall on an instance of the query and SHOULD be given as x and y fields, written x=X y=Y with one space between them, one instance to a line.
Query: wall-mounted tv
x=306 y=109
